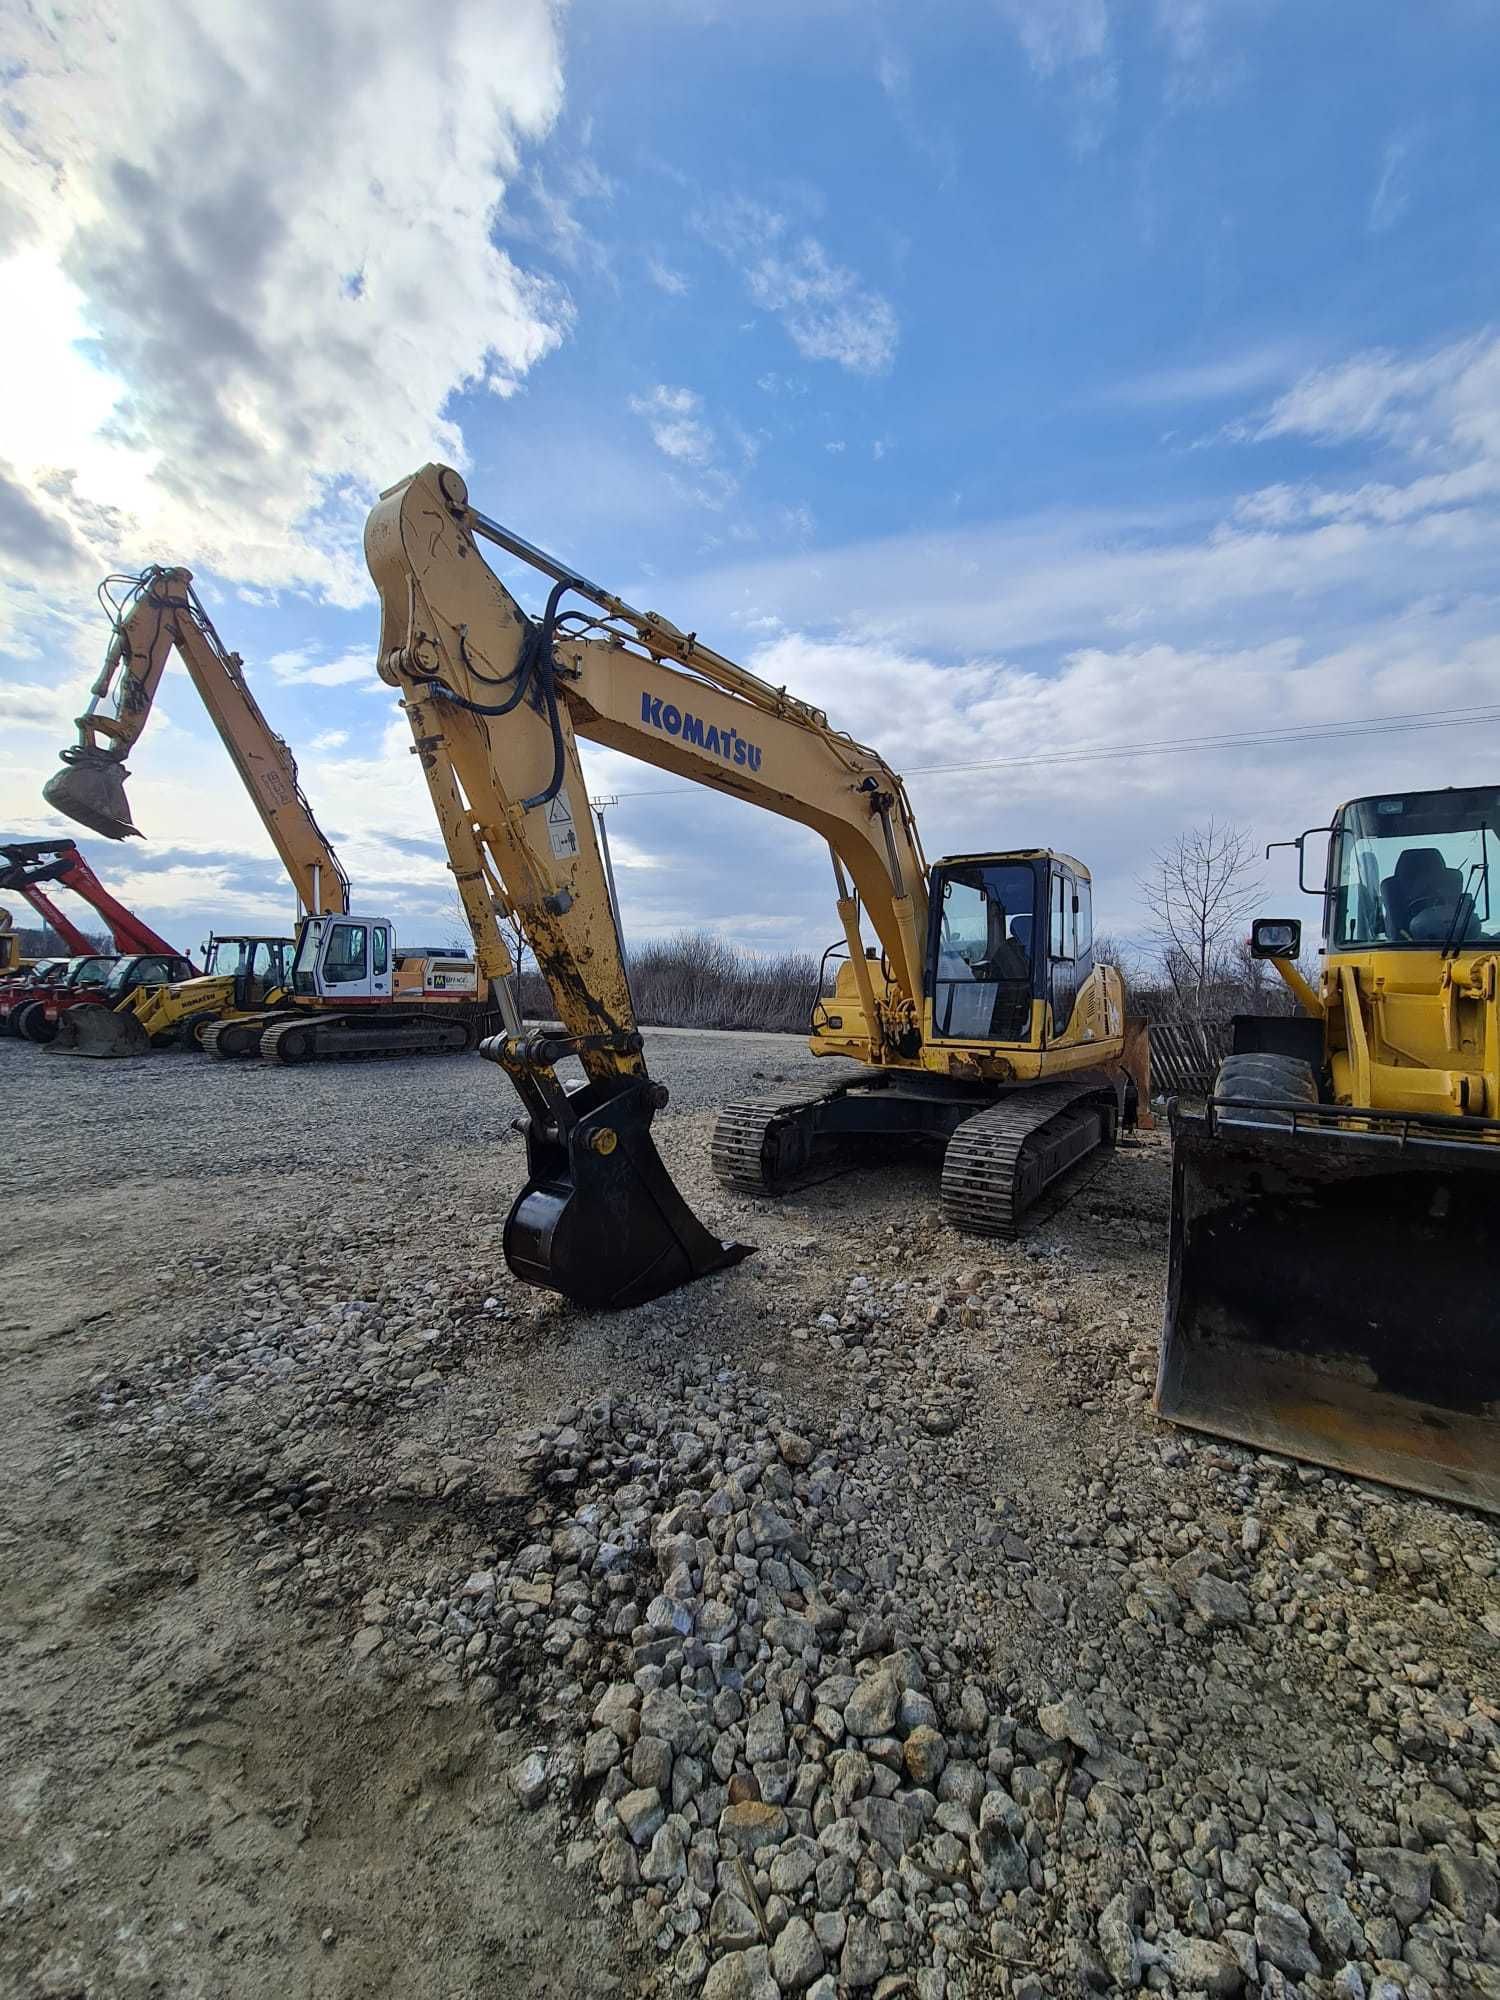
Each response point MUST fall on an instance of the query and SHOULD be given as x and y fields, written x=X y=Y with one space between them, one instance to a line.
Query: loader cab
x=1010 y=943
x=1414 y=871
x=257 y=966
x=144 y=969
x=344 y=960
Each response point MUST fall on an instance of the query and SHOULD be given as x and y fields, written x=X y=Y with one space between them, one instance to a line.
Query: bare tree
x=515 y=943
x=1201 y=888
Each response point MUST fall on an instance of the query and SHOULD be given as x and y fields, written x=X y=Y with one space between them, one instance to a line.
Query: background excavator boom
x=161 y=611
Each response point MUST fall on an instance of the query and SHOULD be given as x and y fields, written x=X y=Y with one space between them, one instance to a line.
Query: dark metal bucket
x=600 y=1219
x=90 y=788
x=1334 y=1289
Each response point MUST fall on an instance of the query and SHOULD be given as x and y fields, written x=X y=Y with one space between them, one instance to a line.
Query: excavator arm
x=497 y=703
x=162 y=611
x=32 y=862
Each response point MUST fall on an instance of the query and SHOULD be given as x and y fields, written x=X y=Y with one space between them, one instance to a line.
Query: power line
x=1384 y=725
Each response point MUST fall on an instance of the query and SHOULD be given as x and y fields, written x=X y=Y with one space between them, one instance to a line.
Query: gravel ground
x=846 y=1624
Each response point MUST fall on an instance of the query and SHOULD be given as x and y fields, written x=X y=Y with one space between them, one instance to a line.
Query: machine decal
x=560 y=828
x=725 y=743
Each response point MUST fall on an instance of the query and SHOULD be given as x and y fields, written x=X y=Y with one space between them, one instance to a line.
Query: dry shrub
x=696 y=980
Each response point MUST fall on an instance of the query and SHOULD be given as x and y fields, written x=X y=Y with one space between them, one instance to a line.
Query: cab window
x=1083 y=919
x=1061 y=942
x=982 y=925
x=380 y=950
x=345 y=960
x=265 y=961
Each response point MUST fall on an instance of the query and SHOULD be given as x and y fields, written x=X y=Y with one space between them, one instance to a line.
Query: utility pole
x=598 y=807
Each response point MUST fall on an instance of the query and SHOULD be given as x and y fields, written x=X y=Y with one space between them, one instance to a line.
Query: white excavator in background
x=342 y=986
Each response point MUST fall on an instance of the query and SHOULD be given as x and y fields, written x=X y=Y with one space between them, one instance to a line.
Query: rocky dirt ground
x=847 y=1625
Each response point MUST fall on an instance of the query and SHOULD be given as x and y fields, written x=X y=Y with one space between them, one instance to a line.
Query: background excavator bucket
x=96 y=1030
x=600 y=1219
x=1332 y=1292
x=90 y=788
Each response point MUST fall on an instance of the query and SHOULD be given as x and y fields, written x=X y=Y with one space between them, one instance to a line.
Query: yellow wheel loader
x=1335 y=1238
x=241 y=976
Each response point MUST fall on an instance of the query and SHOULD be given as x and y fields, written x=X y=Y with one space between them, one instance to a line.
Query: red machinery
x=30 y=1006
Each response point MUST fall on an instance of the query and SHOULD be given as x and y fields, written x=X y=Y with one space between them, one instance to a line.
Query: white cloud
x=329 y=739
x=1069 y=41
x=1447 y=399
x=665 y=278
x=1057 y=33
x=828 y=312
x=304 y=670
x=1221 y=378
x=282 y=272
x=675 y=417
x=1393 y=187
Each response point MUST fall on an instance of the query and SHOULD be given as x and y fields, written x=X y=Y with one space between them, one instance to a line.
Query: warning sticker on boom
x=560 y=829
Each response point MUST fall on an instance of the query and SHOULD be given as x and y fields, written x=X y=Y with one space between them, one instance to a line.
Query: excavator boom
x=162 y=611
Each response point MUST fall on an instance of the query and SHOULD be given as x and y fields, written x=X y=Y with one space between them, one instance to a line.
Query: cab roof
x=1067 y=861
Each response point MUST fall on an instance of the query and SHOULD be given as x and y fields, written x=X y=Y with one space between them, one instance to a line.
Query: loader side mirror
x=1275 y=937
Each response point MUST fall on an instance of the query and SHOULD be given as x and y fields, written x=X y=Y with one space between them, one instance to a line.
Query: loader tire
x=30 y=1023
x=1264 y=1080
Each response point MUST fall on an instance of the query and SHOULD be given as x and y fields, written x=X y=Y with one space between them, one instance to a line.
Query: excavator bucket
x=600 y=1219
x=1331 y=1291
x=96 y=1030
x=90 y=788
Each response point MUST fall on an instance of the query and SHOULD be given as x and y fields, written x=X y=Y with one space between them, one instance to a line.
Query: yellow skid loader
x=241 y=976
x=1335 y=1240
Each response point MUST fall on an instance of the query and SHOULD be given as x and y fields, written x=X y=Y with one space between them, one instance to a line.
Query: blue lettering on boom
x=725 y=743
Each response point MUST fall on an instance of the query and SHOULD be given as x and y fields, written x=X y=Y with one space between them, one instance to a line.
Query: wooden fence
x=1185 y=1056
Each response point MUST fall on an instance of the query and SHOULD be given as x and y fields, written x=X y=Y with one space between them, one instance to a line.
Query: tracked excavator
x=982 y=1024
x=340 y=987
x=1335 y=1236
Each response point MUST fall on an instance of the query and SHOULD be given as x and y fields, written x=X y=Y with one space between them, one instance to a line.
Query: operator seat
x=1424 y=898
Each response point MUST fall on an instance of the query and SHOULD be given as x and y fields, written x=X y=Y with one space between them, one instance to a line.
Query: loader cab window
x=347 y=957
x=983 y=919
x=1415 y=869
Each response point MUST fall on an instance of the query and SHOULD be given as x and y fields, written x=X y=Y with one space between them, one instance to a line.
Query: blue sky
x=1010 y=378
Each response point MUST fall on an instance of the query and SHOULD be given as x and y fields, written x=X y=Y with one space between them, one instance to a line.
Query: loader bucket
x=603 y=1223
x=95 y=1030
x=90 y=788
x=1332 y=1289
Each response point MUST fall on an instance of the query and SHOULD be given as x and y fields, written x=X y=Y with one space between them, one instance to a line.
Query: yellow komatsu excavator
x=1335 y=1251
x=983 y=1024
x=340 y=987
